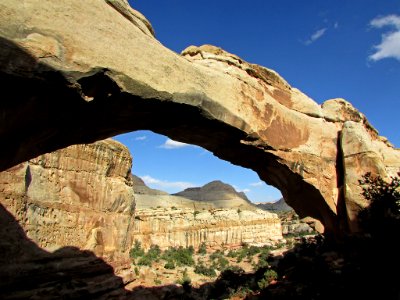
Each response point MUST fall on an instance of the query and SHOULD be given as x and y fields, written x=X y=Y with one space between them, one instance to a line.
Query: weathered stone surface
x=29 y=272
x=214 y=214
x=90 y=70
x=80 y=196
x=363 y=151
x=186 y=227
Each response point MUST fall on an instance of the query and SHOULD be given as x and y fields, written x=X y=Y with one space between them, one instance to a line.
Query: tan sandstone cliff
x=186 y=227
x=79 y=196
x=113 y=76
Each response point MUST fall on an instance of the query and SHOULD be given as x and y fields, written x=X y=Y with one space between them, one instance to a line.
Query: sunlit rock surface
x=92 y=69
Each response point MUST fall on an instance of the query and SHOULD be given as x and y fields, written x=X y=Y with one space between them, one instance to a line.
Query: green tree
x=202 y=249
x=381 y=218
x=136 y=250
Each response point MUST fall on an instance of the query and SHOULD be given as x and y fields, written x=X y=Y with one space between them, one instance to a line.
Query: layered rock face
x=243 y=113
x=214 y=214
x=186 y=227
x=79 y=196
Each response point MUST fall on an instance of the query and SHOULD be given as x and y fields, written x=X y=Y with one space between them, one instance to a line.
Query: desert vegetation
x=361 y=266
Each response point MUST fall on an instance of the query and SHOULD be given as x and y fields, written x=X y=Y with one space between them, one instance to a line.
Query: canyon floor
x=156 y=281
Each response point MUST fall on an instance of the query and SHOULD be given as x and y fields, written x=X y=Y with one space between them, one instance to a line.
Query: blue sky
x=327 y=49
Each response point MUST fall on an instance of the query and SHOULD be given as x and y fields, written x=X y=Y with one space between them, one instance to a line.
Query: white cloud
x=315 y=36
x=171 y=144
x=258 y=183
x=140 y=138
x=165 y=184
x=390 y=44
x=336 y=25
x=237 y=189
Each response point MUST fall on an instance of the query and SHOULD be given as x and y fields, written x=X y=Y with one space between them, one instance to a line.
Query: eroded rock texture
x=92 y=69
x=66 y=221
x=186 y=227
x=80 y=196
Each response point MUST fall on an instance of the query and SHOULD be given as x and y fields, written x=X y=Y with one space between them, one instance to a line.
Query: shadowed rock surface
x=80 y=196
x=82 y=82
x=279 y=205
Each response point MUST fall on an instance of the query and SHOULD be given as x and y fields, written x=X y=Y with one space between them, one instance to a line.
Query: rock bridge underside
x=79 y=71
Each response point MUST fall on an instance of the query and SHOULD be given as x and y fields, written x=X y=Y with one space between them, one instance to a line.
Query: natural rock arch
x=78 y=84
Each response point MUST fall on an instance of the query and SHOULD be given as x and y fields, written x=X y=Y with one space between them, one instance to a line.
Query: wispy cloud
x=140 y=138
x=170 y=186
x=258 y=183
x=171 y=144
x=315 y=36
x=241 y=190
x=390 y=43
x=336 y=25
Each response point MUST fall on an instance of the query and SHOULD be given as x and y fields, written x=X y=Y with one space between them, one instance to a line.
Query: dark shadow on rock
x=29 y=272
x=44 y=109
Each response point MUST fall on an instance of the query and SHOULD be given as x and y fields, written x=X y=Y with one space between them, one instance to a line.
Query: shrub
x=269 y=275
x=136 y=250
x=170 y=265
x=154 y=252
x=204 y=270
x=185 y=280
x=181 y=256
x=145 y=261
x=382 y=217
x=202 y=249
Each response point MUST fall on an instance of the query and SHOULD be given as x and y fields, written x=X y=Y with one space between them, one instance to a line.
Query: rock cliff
x=80 y=196
x=214 y=214
x=186 y=227
x=112 y=76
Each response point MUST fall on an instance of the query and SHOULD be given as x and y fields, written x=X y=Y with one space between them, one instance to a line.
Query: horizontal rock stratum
x=186 y=227
x=66 y=223
x=88 y=70
x=80 y=196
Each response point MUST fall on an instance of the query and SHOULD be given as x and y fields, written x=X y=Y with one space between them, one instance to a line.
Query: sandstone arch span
x=82 y=82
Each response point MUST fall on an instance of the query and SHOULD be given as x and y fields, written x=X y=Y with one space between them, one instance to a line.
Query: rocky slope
x=218 y=194
x=290 y=221
x=279 y=205
x=147 y=198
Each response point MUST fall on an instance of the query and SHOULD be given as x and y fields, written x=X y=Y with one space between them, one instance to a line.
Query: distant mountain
x=141 y=188
x=279 y=205
x=218 y=193
x=146 y=197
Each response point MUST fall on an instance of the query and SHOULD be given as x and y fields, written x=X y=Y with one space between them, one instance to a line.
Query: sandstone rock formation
x=214 y=214
x=80 y=196
x=81 y=83
x=218 y=194
x=186 y=227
